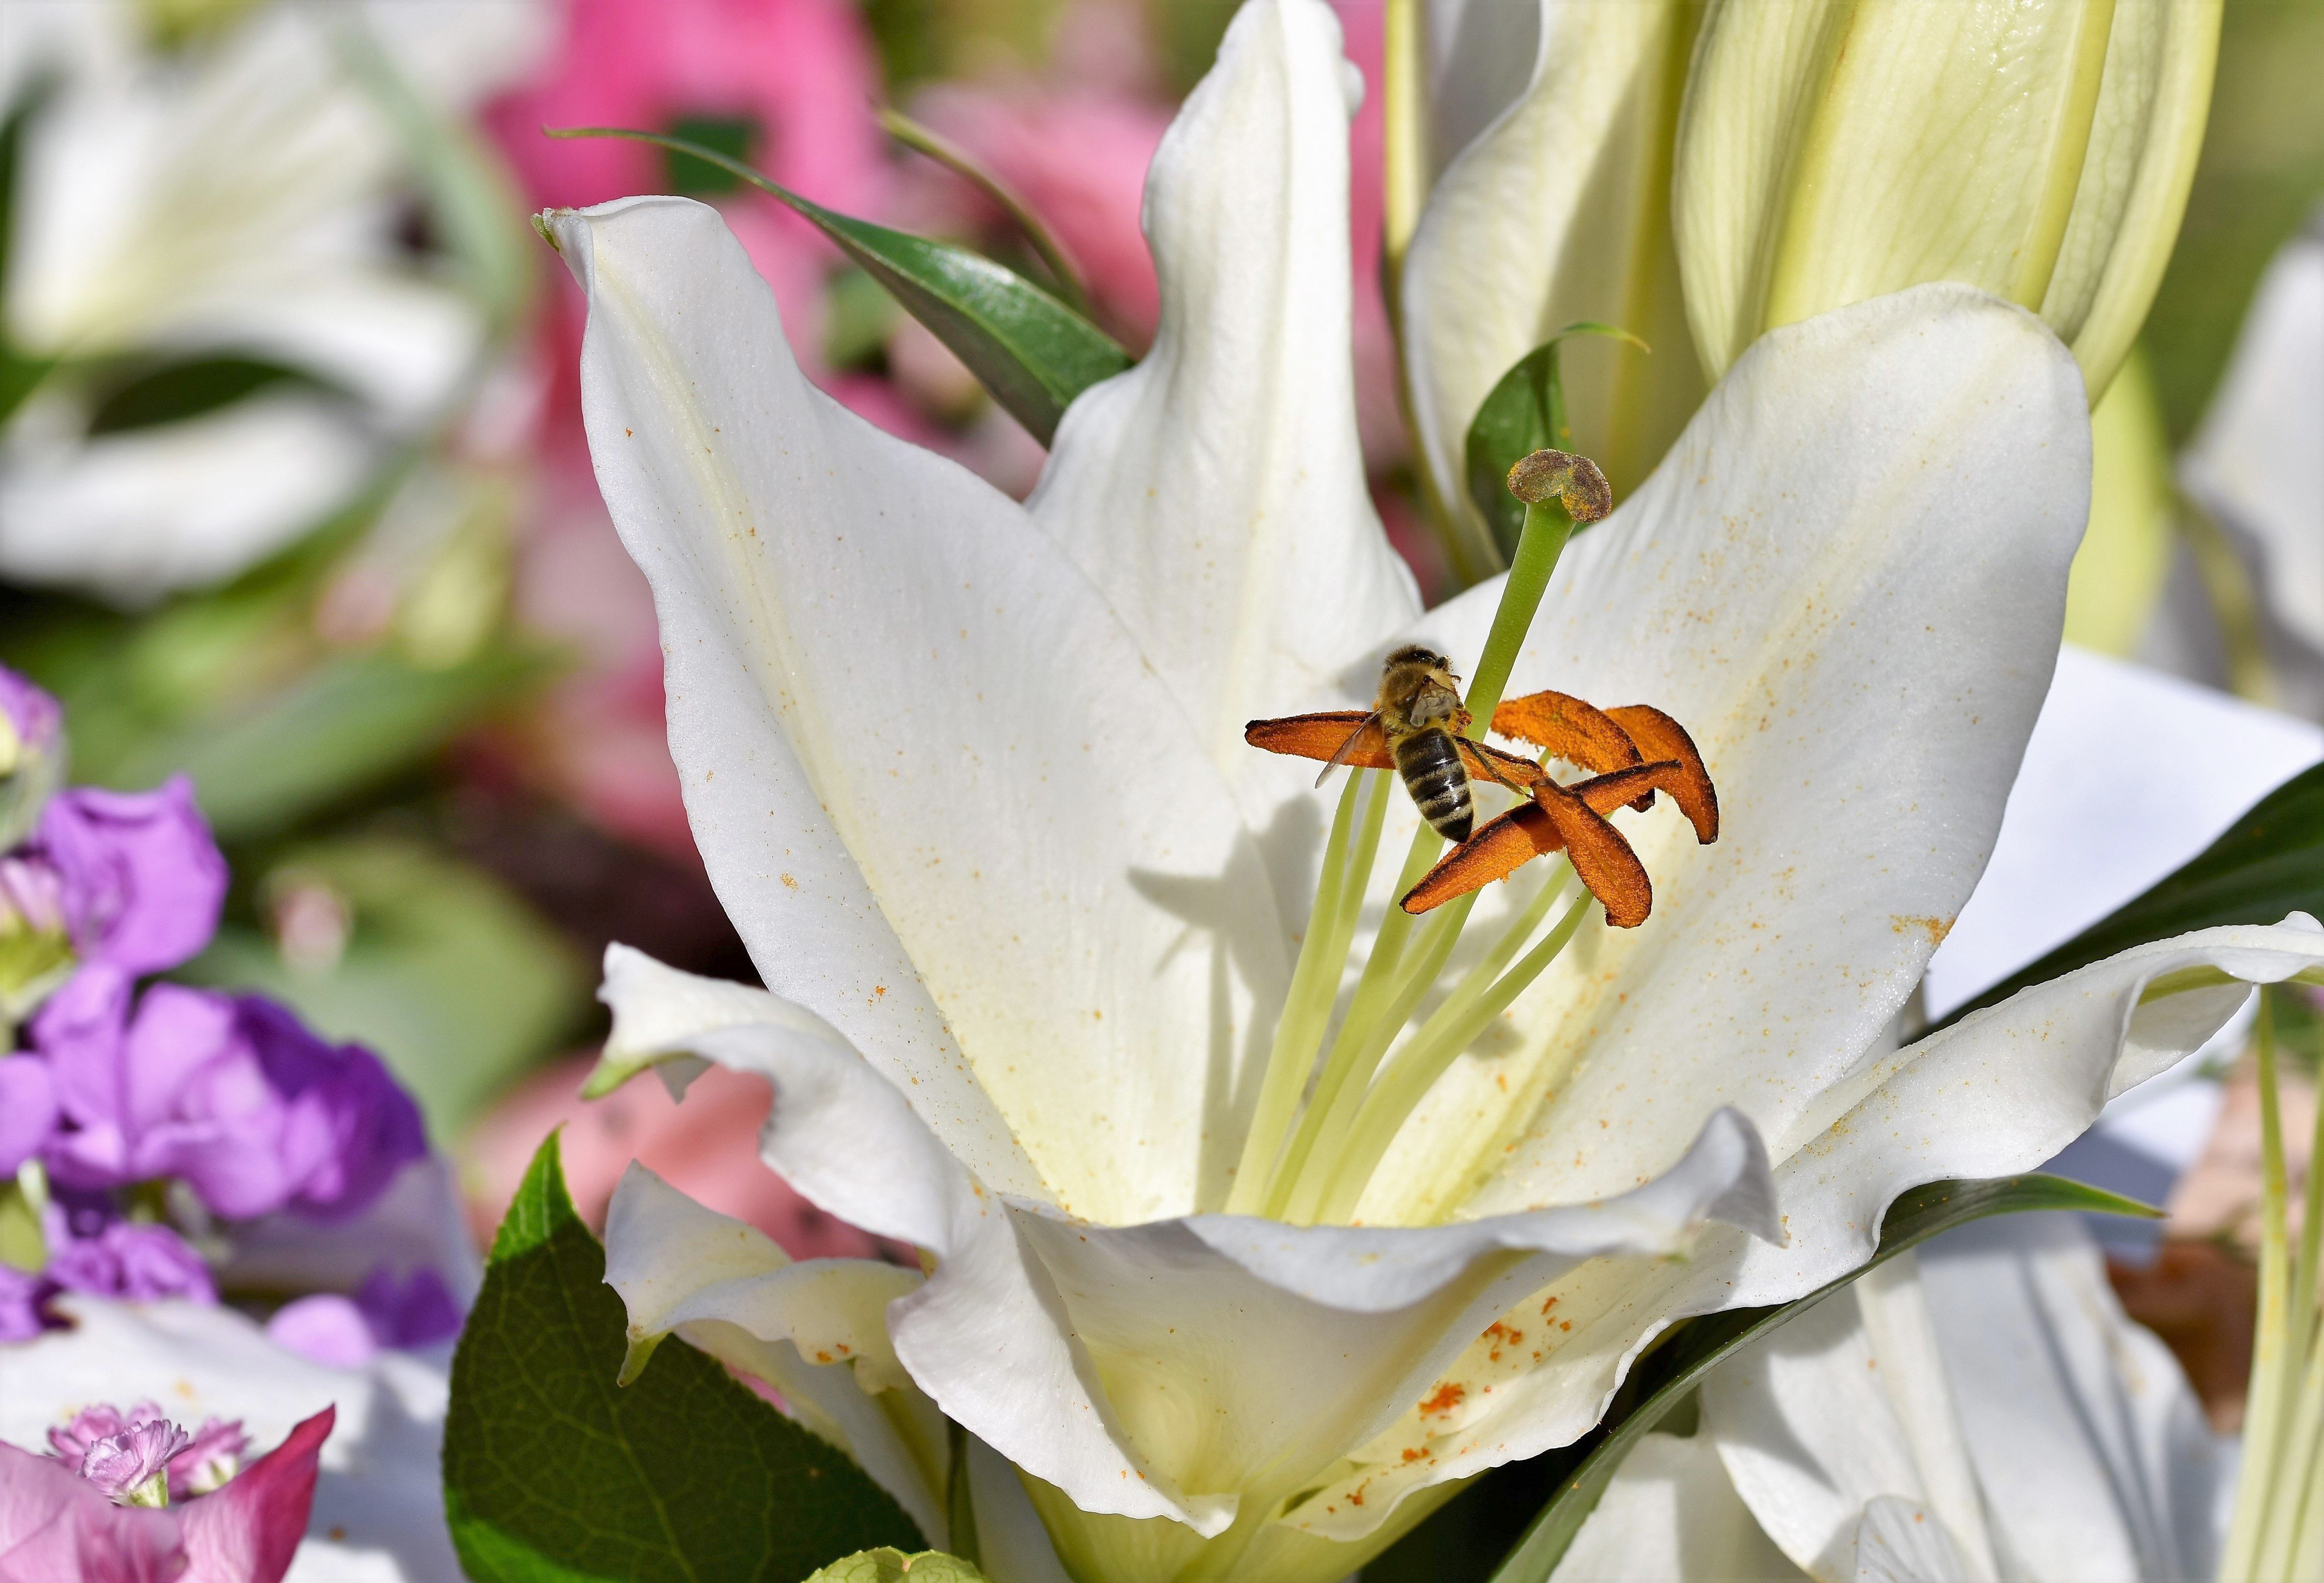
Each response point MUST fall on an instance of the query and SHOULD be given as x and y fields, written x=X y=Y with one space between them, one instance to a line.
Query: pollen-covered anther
x=1572 y=481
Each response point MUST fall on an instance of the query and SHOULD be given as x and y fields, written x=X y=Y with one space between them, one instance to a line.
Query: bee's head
x=1417 y=654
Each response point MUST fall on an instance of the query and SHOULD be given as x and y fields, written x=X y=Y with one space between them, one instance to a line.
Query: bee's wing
x=1348 y=751
x=1338 y=737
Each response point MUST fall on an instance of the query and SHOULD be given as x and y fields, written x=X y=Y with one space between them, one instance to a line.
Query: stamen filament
x=1453 y=1027
x=1348 y=856
x=1365 y=1028
x=1306 y=1193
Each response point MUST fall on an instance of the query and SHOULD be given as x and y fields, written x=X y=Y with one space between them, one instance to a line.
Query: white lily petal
x=1897 y=1543
x=1846 y=582
x=817 y=1330
x=677 y=1264
x=1482 y=54
x=132 y=516
x=1842 y=1405
x=2002 y=1089
x=1560 y=212
x=1670 y=1515
x=1000 y=831
x=981 y=1338
x=2255 y=461
x=1339 y=1330
x=1215 y=492
x=2093 y=1452
x=378 y=1515
x=2129 y=773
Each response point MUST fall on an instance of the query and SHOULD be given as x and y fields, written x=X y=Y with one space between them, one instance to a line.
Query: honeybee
x=1419 y=713
x=1415 y=727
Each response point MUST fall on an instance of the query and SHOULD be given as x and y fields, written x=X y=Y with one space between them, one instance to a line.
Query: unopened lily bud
x=31 y=755
x=1572 y=481
x=1832 y=151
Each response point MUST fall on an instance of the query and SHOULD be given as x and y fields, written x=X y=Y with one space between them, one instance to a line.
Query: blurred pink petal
x=248 y=1531
x=706 y=1147
x=55 y=1524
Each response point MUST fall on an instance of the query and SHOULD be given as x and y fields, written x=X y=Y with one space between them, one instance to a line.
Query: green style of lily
x=1255 y=1215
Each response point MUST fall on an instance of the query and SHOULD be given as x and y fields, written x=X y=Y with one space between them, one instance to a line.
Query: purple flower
x=142 y=880
x=127 y=1259
x=31 y=755
x=208 y=1457
x=236 y=1096
x=349 y=1332
x=132 y=1466
x=28 y=1110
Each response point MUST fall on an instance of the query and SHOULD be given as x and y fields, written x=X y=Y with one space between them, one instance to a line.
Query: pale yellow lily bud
x=1832 y=151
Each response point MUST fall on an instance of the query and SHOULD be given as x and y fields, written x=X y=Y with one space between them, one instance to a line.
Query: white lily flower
x=1983 y=1410
x=378 y=1515
x=966 y=777
x=1828 y=152
x=234 y=199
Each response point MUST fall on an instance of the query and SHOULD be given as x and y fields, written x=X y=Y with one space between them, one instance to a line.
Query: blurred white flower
x=1981 y=1411
x=215 y=322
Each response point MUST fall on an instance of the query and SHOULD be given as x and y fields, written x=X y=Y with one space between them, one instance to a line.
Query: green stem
x=1314 y=984
x=2296 y=1506
x=1547 y=530
x=2263 y=1401
x=1454 y=1026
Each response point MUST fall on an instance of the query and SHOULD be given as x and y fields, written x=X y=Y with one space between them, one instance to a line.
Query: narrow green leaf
x=2270 y=862
x=1031 y=351
x=1665 y=1375
x=553 y=1474
x=1525 y=413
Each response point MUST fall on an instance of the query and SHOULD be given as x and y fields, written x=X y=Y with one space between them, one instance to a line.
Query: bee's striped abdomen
x=1431 y=770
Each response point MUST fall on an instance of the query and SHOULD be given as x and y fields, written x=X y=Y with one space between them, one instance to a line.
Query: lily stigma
x=1319 y=1172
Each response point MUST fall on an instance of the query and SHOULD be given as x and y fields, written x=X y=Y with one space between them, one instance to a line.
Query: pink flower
x=56 y=1524
x=799 y=74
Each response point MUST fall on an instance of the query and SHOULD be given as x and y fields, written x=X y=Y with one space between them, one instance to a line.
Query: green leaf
x=553 y=1474
x=890 y=1566
x=1031 y=351
x=1662 y=1379
x=455 y=983
x=2270 y=862
x=1525 y=413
